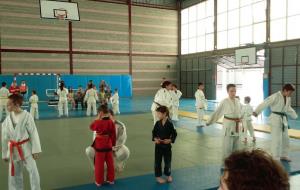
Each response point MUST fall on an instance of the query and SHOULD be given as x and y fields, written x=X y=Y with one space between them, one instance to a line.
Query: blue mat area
x=142 y=105
x=127 y=106
x=122 y=82
x=197 y=178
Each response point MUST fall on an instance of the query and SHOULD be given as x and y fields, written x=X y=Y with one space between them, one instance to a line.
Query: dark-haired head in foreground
x=253 y=170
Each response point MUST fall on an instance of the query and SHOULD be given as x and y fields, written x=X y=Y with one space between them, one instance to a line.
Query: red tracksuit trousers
x=100 y=159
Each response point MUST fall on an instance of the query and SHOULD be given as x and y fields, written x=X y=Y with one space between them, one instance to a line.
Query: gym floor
x=196 y=152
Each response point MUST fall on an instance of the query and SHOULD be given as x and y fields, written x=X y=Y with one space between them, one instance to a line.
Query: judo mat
x=293 y=133
x=199 y=177
x=196 y=178
x=137 y=105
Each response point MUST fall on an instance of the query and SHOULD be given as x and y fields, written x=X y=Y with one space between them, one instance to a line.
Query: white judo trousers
x=16 y=182
x=24 y=129
x=91 y=98
x=247 y=112
x=4 y=93
x=34 y=108
x=176 y=95
x=121 y=152
x=163 y=98
x=279 y=125
x=231 y=130
x=115 y=103
x=201 y=105
x=63 y=102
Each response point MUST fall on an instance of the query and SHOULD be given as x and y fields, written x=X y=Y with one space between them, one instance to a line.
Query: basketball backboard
x=59 y=10
x=245 y=56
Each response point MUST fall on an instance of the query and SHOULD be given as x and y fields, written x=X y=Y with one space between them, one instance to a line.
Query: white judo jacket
x=25 y=129
x=162 y=97
x=175 y=97
x=91 y=96
x=247 y=112
x=231 y=109
x=34 y=99
x=62 y=94
x=115 y=99
x=201 y=102
x=276 y=104
x=4 y=93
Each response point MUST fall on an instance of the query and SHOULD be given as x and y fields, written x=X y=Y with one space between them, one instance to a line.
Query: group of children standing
x=21 y=144
x=164 y=109
x=89 y=97
x=237 y=120
x=167 y=96
x=22 y=90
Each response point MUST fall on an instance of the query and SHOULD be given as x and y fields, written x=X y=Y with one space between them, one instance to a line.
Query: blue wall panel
x=122 y=82
x=34 y=82
x=42 y=82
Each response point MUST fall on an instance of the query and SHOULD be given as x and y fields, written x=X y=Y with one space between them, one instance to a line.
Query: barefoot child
x=4 y=93
x=115 y=102
x=34 y=109
x=103 y=143
x=280 y=105
x=247 y=111
x=163 y=134
x=176 y=95
x=230 y=108
x=201 y=104
x=20 y=145
x=162 y=98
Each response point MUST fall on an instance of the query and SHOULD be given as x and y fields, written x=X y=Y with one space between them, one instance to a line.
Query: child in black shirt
x=163 y=134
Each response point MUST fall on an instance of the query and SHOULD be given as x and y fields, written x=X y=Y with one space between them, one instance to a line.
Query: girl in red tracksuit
x=105 y=139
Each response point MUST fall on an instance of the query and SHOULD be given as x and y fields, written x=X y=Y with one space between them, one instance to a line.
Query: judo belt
x=282 y=114
x=12 y=145
x=102 y=149
x=236 y=120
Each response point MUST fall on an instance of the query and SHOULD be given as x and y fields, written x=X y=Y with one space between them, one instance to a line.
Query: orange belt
x=236 y=120
x=12 y=145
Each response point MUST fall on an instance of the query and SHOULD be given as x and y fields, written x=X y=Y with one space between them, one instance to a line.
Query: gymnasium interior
x=134 y=45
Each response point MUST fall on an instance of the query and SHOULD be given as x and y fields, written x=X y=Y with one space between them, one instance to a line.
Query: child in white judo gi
x=4 y=93
x=62 y=93
x=201 y=104
x=176 y=95
x=20 y=145
x=230 y=109
x=34 y=108
x=115 y=102
x=280 y=105
x=91 y=97
x=247 y=111
x=162 y=98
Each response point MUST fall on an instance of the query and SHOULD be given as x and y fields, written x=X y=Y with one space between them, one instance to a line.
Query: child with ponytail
x=163 y=134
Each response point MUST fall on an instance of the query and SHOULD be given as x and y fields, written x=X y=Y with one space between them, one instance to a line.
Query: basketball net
x=61 y=16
